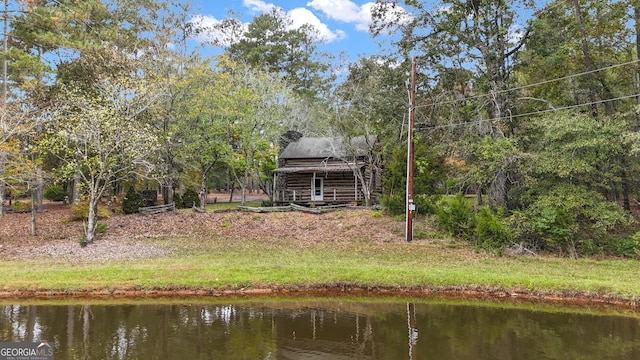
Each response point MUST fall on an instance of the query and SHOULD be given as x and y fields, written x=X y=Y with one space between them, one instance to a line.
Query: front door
x=317 y=189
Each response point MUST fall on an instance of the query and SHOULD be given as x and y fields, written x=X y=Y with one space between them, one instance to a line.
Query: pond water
x=323 y=329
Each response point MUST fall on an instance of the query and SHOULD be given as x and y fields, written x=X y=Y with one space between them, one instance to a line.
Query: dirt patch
x=58 y=237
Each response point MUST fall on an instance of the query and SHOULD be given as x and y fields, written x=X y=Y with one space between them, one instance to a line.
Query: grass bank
x=258 y=264
x=233 y=251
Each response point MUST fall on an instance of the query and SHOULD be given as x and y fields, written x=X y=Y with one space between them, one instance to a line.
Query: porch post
x=356 y=186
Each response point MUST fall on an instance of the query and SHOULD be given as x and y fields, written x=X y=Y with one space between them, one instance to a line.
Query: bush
x=425 y=204
x=191 y=198
x=55 y=193
x=456 y=217
x=80 y=211
x=266 y=203
x=177 y=199
x=132 y=201
x=20 y=206
x=101 y=229
x=570 y=219
x=394 y=204
x=629 y=247
x=490 y=230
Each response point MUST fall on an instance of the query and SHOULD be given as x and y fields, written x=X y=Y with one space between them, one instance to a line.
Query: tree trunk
x=636 y=17
x=39 y=191
x=92 y=218
x=75 y=190
x=203 y=191
x=34 y=195
x=243 y=187
x=587 y=60
x=3 y=187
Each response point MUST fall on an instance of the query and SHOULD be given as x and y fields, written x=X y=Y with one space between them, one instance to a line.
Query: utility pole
x=4 y=92
x=4 y=52
x=412 y=107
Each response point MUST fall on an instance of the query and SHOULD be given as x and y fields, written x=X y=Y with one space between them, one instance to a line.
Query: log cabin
x=327 y=171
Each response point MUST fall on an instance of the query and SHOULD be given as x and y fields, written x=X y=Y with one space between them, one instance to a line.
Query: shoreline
x=514 y=295
x=237 y=254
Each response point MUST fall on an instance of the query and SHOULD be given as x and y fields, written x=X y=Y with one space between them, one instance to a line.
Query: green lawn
x=226 y=264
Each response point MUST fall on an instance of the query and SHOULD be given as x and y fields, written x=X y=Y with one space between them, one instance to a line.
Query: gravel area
x=101 y=251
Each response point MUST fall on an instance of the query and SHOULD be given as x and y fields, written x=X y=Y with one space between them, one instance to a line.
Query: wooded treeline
x=533 y=110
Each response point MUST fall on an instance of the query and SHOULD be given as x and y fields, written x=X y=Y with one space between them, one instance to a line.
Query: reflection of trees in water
x=374 y=331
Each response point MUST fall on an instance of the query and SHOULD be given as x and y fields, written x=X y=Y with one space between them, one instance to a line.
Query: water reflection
x=320 y=330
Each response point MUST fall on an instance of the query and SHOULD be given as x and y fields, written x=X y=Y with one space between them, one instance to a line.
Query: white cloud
x=393 y=14
x=341 y=10
x=258 y=5
x=516 y=33
x=349 y=12
x=302 y=16
x=210 y=30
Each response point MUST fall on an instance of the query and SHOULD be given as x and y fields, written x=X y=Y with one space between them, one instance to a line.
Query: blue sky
x=342 y=24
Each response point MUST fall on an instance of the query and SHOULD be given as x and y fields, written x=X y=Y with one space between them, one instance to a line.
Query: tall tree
x=271 y=44
x=261 y=102
x=211 y=106
x=370 y=103
x=96 y=137
x=466 y=35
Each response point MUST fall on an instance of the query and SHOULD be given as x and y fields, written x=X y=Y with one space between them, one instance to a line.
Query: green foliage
x=427 y=204
x=190 y=198
x=80 y=211
x=429 y=173
x=101 y=229
x=455 y=215
x=20 y=206
x=55 y=193
x=630 y=246
x=132 y=201
x=569 y=219
x=266 y=203
x=491 y=230
x=394 y=204
x=177 y=199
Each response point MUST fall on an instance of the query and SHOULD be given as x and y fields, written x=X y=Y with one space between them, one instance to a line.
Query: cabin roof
x=326 y=147
x=328 y=168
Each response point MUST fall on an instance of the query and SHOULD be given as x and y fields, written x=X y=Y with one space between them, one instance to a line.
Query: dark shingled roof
x=313 y=147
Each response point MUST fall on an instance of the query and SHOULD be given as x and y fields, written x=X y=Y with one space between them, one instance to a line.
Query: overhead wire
x=533 y=113
x=544 y=82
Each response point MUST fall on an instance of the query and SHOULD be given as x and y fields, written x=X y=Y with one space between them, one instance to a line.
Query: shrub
x=569 y=218
x=177 y=199
x=490 y=230
x=630 y=246
x=20 y=206
x=80 y=211
x=266 y=203
x=426 y=204
x=101 y=229
x=132 y=201
x=394 y=204
x=190 y=198
x=55 y=193
x=456 y=217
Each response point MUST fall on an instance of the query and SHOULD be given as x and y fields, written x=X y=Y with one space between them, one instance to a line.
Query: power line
x=534 y=85
x=478 y=122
